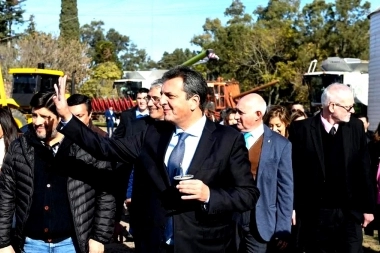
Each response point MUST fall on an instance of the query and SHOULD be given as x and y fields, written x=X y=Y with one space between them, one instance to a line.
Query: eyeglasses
x=154 y=99
x=347 y=108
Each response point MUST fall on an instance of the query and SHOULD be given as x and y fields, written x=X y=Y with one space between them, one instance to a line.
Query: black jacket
x=92 y=207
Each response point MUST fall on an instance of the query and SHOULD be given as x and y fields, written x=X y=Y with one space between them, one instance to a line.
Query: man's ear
x=194 y=102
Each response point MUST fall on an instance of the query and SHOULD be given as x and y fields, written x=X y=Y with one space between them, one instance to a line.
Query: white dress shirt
x=191 y=143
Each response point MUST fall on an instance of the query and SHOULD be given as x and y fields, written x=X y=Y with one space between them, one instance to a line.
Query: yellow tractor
x=27 y=82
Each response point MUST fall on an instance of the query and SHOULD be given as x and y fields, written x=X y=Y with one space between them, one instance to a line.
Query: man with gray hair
x=271 y=165
x=334 y=197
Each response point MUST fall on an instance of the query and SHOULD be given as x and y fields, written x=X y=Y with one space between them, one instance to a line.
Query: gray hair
x=156 y=84
x=334 y=92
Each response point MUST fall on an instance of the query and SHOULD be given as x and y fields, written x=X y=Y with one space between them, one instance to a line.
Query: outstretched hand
x=60 y=99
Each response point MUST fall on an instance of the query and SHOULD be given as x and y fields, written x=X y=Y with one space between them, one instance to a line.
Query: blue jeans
x=39 y=246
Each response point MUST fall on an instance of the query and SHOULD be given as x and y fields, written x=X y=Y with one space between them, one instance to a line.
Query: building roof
x=375 y=11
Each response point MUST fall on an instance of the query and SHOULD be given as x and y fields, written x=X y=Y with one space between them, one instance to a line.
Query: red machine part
x=100 y=105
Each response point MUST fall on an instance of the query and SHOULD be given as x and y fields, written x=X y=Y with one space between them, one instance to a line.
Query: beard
x=47 y=134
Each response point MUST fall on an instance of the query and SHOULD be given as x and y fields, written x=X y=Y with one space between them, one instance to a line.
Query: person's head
x=297 y=115
x=250 y=112
x=337 y=103
x=277 y=119
x=44 y=115
x=297 y=106
x=183 y=95
x=365 y=121
x=229 y=118
x=8 y=127
x=80 y=107
x=154 y=106
x=110 y=108
x=141 y=100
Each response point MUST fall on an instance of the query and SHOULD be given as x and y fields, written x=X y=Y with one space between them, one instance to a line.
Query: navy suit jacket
x=220 y=161
x=275 y=182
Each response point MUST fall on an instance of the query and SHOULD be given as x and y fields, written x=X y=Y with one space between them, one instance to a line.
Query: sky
x=154 y=25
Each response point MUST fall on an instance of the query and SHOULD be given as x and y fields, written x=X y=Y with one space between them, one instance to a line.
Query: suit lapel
x=161 y=171
x=265 y=149
x=204 y=148
x=317 y=140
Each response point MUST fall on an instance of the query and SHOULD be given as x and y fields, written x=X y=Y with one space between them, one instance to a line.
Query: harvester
x=27 y=82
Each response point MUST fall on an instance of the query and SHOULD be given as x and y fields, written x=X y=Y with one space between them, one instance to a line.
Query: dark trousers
x=332 y=230
x=247 y=237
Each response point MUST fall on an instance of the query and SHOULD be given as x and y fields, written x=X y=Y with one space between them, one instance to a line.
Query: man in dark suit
x=200 y=210
x=271 y=166
x=129 y=116
x=131 y=121
x=333 y=190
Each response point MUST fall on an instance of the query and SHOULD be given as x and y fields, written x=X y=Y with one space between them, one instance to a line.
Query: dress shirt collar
x=196 y=129
x=142 y=114
x=327 y=125
x=257 y=132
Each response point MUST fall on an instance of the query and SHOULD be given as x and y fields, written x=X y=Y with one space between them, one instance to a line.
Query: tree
x=27 y=51
x=177 y=57
x=101 y=80
x=68 y=20
x=31 y=29
x=10 y=14
x=136 y=59
x=120 y=42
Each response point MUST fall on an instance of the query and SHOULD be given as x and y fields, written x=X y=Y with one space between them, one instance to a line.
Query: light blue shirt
x=191 y=143
x=141 y=114
x=255 y=135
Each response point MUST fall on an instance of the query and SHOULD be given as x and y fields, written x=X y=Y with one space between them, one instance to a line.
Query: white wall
x=374 y=72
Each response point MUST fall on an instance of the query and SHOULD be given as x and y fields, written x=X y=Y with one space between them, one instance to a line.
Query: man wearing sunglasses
x=333 y=198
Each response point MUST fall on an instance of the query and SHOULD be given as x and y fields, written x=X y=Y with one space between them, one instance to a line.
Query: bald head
x=251 y=109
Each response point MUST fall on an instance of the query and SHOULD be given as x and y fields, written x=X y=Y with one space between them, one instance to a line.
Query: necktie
x=174 y=169
x=176 y=157
x=332 y=131
x=246 y=137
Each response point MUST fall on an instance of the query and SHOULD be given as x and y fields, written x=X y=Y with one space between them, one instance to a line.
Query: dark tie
x=332 y=131
x=176 y=157
x=174 y=169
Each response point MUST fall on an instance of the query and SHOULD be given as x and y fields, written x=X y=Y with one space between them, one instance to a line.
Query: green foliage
x=177 y=57
x=282 y=41
x=101 y=80
x=68 y=20
x=10 y=14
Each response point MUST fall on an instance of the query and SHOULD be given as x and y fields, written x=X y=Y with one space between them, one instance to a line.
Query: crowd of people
x=264 y=179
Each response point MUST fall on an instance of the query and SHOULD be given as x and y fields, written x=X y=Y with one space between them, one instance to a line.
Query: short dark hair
x=193 y=82
x=78 y=99
x=44 y=99
x=142 y=90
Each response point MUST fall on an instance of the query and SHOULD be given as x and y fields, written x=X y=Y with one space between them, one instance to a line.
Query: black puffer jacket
x=92 y=210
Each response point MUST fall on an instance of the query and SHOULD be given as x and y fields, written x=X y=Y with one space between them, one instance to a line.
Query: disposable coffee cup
x=183 y=177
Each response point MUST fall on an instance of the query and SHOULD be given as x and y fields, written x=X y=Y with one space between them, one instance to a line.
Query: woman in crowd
x=277 y=119
x=9 y=131
x=229 y=119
